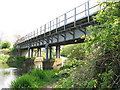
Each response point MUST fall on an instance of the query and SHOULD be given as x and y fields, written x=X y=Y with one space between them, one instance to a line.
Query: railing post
x=53 y=24
x=40 y=30
x=88 y=12
x=44 y=29
x=31 y=35
x=34 y=33
x=56 y=24
x=65 y=21
x=37 y=31
x=50 y=28
x=50 y=25
x=75 y=17
x=59 y=21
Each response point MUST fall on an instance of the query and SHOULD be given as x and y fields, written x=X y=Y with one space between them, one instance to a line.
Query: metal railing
x=84 y=10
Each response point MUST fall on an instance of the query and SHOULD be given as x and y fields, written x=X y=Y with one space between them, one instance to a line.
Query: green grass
x=37 y=78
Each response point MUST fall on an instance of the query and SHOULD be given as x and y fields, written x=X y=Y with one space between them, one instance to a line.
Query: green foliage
x=77 y=52
x=100 y=66
x=23 y=82
x=13 y=61
x=67 y=50
x=5 y=44
x=106 y=33
x=40 y=74
x=4 y=57
x=37 y=78
x=13 y=48
x=73 y=51
x=101 y=51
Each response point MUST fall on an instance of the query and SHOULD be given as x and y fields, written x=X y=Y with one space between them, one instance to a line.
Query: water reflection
x=39 y=65
x=6 y=76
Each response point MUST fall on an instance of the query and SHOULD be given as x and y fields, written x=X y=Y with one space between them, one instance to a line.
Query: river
x=8 y=74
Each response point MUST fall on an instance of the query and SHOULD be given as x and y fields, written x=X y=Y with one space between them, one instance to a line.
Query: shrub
x=73 y=51
x=13 y=48
x=23 y=82
x=5 y=44
x=39 y=73
x=67 y=50
x=77 y=52
x=4 y=57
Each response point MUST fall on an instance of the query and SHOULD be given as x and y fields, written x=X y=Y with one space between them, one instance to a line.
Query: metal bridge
x=65 y=29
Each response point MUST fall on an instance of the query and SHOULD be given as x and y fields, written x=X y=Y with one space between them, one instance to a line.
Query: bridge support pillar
x=46 y=47
x=32 y=53
x=28 y=52
x=50 y=51
x=58 y=51
x=38 y=49
x=19 y=52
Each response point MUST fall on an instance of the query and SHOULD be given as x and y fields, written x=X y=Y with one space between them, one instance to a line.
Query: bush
x=15 y=61
x=23 y=82
x=5 y=44
x=77 y=52
x=13 y=48
x=67 y=50
x=73 y=51
x=40 y=74
x=4 y=57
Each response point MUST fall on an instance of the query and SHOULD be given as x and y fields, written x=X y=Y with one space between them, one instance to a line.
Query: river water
x=8 y=74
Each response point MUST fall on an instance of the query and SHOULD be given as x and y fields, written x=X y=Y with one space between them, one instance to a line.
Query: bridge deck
x=62 y=31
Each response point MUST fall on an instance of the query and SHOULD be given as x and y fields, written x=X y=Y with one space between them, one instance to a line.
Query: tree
x=5 y=44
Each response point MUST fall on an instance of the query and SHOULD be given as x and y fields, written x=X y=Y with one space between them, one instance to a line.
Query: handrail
x=61 y=20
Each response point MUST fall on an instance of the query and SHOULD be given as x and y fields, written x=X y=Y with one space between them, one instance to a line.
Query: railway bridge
x=68 y=28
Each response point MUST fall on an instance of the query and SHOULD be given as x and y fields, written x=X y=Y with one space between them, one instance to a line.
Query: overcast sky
x=24 y=16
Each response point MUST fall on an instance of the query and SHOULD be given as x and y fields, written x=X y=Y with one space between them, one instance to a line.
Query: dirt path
x=50 y=86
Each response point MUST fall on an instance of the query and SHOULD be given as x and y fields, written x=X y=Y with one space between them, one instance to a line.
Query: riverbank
x=37 y=78
x=40 y=77
x=12 y=60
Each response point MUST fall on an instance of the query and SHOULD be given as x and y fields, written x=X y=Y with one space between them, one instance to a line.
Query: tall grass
x=23 y=82
x=37 y=78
